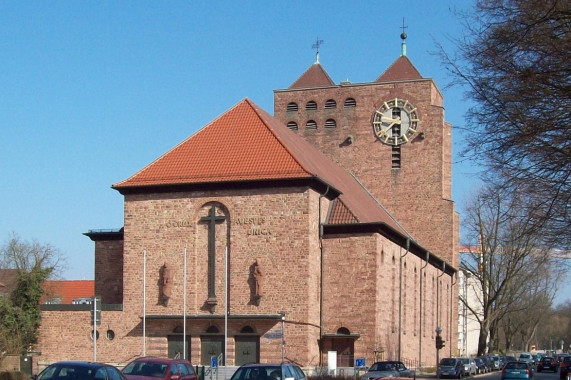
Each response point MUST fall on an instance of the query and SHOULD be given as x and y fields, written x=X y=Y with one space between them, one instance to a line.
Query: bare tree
x=515 y=65
x=507 y=248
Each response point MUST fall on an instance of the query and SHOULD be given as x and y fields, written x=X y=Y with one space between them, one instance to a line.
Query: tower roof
x=246 y=144
x=401 y=69
x=314 y=76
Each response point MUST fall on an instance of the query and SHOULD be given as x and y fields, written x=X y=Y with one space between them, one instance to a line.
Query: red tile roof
x=315 y=76
x=247 y=144
x=68 y=290
x=401 y=69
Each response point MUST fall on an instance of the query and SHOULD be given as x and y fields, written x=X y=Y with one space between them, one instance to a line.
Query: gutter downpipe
x=438 y=294
x=420 y=310
x=400 y=296
x=321 y=279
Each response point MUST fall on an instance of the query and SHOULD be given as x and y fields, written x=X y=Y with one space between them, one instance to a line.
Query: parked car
x=495 y=360
x=470 y=367
x=517 y=370
x=481 y=366
x=565 y=368
x=387 y=369
x=159 y=368
x=283 y=371
x=66 y=370
x=528 y=358
x=547 y=363
x=450 y=367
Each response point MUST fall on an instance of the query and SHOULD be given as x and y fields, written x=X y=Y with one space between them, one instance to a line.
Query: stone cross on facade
x=212 y=219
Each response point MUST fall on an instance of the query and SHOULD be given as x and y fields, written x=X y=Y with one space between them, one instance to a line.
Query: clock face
x=395 y=122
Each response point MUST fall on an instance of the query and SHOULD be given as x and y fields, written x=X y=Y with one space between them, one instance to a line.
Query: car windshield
x=146 y=368
x=270 y=372
x=383 y=367
x=66 y=371
x=448 y=362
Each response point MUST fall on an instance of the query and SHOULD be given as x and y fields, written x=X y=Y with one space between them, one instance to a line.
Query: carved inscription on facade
x=256 y=224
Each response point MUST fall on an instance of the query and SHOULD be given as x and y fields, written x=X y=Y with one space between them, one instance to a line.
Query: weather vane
x=316 y=46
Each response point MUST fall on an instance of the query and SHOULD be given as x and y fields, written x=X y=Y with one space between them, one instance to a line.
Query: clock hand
x=388 y=119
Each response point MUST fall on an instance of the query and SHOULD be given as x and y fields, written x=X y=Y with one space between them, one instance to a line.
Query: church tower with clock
x=391 y=135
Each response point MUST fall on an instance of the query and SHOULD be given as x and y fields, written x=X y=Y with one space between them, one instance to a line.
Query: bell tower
x=391 y=135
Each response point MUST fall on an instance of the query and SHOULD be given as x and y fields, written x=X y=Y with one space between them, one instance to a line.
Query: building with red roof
x=325 y=228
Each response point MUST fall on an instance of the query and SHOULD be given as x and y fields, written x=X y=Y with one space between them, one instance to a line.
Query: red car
x=565 y=368
x=151 y=368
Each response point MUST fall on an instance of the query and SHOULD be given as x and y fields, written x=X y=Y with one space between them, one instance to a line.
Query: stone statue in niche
x=258 y=277
x=165 y=284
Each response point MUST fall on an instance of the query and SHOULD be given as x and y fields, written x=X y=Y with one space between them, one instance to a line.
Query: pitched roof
x=68 y=290
x=401 y=69
x=315 y=76
x=247 y=144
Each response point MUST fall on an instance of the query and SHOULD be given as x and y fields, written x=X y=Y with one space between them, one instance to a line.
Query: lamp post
x=283 y=336
x=438 y=331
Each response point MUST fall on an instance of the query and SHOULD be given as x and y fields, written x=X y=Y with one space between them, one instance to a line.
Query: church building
x=324 y=232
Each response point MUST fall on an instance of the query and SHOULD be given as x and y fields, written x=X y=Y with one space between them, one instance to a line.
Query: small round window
x=110 y=334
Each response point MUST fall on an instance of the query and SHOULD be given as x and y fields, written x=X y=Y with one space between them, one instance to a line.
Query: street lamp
x=283 y=335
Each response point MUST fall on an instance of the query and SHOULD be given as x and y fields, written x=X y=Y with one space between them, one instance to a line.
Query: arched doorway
x=247 y=346
x=176 y=344
x=212 y=344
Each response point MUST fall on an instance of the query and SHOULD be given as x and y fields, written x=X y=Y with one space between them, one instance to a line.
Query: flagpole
x=144 y=301
x=226 y=307
x=184 y=308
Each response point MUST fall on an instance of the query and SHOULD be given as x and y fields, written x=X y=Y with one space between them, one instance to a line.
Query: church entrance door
x=345 y=351
x=247 y=349
x=211 y=345
x=175 y=346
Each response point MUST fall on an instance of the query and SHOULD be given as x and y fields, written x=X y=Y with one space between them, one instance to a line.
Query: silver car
x=470 y=367
x=387 y=369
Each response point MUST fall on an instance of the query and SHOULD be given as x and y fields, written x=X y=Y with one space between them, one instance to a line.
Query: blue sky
x=92 y=91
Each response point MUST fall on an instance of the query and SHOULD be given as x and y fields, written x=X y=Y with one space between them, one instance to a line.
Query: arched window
x=343 y=331
x=310 y=106
x=311 y=125
x=247 y=330
x=350 y=102
x=292 y=125
x=291 y=107
x=330 y=124
x=330 y=103
x=212 y=330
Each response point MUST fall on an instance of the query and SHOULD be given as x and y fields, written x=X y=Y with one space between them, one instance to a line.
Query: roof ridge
x=177 y=145
x=259 y=112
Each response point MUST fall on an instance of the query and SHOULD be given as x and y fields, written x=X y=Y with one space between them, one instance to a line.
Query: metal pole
x=184 y=308
x=438 y=331
x=226 y=306
x=283 y=337
x=144 y=301
x=94 y=328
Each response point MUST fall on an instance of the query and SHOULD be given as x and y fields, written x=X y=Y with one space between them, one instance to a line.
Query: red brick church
x=325 y=228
